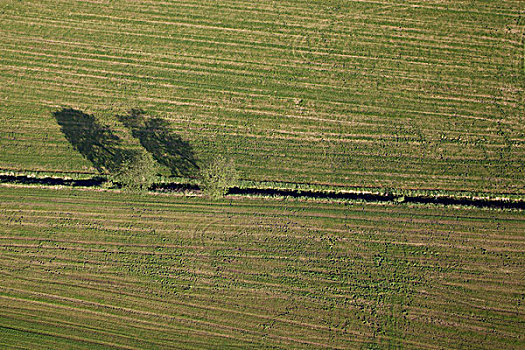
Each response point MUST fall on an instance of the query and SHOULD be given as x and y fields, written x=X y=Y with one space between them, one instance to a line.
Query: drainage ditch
x=365 y=197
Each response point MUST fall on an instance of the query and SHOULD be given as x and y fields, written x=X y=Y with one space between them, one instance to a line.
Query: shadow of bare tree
x=167 y=148
x=96 y=142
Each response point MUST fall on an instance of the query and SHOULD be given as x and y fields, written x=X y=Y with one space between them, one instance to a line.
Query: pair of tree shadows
x=105 y=150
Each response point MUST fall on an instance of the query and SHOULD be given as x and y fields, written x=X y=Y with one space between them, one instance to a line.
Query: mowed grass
x=91 y=269
x=403 y=94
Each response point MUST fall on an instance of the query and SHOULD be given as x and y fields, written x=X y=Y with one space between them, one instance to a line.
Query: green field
x=339 y=116
x=92 y=269
x=402 y=94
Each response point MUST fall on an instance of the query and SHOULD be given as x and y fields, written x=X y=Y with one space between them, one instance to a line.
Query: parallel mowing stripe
x=475 y=98
x=444 y=63
x=259 y=111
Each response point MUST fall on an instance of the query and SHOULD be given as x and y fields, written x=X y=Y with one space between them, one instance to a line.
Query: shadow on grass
x=96 y=142
x=166 y=147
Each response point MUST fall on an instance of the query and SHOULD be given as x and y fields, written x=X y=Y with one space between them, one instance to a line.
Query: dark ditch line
x=267 y=192
x=52 y=181
x=386 y=198
x=91 y=182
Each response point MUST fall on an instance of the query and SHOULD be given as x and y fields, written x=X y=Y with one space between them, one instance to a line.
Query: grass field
x=402 y=100
x=403 y=94
x=92 y=269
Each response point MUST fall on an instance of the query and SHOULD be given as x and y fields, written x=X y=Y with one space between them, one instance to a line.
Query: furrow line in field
x=98 y=59
x=112 y=344
x=463 y=98
x=339 y=34
x=138 y=312
x=162 y=20
x=379 y=109
x=406 y=59
x=95 y=333
x=129 y=51
x=206 y=306
x=433 y=7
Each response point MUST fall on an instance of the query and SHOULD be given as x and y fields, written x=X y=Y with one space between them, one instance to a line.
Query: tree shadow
x=96 y=142
x=166 y=147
